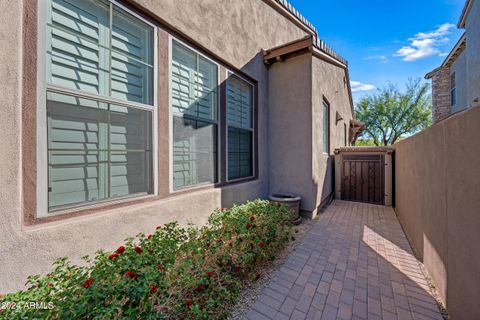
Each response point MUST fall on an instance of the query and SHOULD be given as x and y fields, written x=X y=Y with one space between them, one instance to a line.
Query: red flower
x=189 y=302
x=222 y=209
x=138 y=249
x=254 y=225
x=88 y=283
x=261 y=244
x=121 y=249
x=252 y=218
x=153 y=288
x=200 y=287
x=113 y=256
x=130 y=274
x=248 y=225
x=158 y=228
x=160 y=267
x=210 y=273
x=149 y=236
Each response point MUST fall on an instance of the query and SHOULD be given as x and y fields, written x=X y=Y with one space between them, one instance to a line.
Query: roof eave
x=451 y=57
x=464 y=15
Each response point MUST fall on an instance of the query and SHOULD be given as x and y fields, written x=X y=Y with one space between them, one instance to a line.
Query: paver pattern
x=355 y=263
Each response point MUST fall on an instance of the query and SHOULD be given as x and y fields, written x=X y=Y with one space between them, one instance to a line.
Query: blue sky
x=386 y=40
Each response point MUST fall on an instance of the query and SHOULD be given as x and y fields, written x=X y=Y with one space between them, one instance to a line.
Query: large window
x=326 y=127
x=195 y=119
x=240 y=128
x=100 y=103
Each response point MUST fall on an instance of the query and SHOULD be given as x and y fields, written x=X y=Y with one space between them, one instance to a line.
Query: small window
x=453 y=90
x=99 y=102
x=240 y=128
x=195 y=124
x=345 y=136
x=326 y=128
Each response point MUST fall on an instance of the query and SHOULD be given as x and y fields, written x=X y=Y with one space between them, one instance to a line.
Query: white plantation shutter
x=326 y=128
x=194 y=105
x=239 y=103
x=240 y=128
x=194 y=84
x=78 y=36
x=132 y=59
x=87 y=52
x=98 y=149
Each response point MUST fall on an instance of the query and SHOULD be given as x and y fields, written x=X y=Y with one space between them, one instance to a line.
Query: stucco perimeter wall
x=329 y=84
x=235 y=31
x=437 y=200
x=290 y=127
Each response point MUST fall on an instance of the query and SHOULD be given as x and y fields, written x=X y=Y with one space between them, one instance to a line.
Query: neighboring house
x=456 y=83
x=118 y=116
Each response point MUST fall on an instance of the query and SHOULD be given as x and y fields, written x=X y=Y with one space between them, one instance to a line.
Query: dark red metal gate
x=363 y=178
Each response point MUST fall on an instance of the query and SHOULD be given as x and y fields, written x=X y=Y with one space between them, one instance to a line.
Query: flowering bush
x=175 y=273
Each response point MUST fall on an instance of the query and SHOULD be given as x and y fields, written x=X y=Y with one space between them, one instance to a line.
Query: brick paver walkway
x=355 y=263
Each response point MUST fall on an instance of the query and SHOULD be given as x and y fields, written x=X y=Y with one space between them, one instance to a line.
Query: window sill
x=240 y=180
x=89 y=210
x=207 y=185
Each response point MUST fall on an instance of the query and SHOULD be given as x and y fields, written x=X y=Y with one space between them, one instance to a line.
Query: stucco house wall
x=464 y=60
x=472 y=29
x=290 y=92
x=459 y=66
x=335 y=92
x=231 y=32
x=298 y=88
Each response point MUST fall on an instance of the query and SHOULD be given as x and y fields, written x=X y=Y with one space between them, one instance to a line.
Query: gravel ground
x=252 y=290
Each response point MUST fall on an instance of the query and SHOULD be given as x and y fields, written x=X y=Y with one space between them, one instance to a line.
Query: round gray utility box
x=290 y=200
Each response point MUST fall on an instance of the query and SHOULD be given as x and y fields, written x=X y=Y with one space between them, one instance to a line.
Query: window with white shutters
x=194 y=82
x=100 y=103
x=326 y=127
x=240 y=128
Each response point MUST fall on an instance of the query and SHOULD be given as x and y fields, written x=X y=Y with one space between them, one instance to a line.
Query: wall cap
x=386 y=150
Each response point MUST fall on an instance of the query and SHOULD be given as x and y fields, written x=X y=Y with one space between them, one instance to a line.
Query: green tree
x=390 y=114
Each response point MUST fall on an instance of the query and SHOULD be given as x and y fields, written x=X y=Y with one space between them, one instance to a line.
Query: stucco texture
x=336 y=93
x=472 y=29
x=460 y=69
x=437 y=180
x=234 y=31
x=297 y=88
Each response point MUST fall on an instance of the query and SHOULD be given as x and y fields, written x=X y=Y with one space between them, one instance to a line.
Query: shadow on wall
x=437 y=200
x=258 y=185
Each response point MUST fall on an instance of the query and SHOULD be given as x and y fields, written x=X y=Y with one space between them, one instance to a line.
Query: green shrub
x=175 y=273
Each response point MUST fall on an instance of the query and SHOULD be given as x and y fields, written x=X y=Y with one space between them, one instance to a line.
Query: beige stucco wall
x=234 y=31
x=336 y=92
x=297 y=162
x=289 y=127
x=437 y=200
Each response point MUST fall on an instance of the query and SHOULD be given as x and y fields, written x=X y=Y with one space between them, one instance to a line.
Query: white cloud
x=425 y=44
x=358 y=86
x=378 y=57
